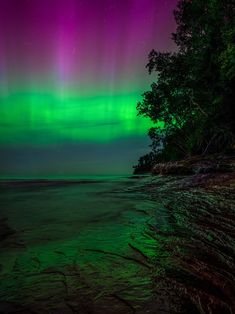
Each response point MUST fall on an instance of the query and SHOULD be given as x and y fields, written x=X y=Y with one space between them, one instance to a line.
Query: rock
x=204 y=167
x=171 y=168
x=5 y=230
x=227 y=167
x=196 y=165
x=9 y=307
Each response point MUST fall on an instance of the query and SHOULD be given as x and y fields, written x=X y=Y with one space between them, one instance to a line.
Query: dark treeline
x=192 y=101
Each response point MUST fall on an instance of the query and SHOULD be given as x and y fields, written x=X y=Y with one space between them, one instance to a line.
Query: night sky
x=71 y=73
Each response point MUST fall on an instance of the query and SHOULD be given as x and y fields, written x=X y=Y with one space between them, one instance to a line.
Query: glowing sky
x=71 y=72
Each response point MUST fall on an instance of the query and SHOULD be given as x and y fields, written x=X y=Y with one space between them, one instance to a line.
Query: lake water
x=111 y=245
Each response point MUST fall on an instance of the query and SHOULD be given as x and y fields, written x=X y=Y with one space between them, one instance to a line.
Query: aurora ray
x=71 y=72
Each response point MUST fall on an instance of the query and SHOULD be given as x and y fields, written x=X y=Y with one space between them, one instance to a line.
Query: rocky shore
x=168 y=248
x=197 y=165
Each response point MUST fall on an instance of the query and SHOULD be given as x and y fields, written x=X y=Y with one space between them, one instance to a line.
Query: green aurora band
x=37 y=118
x=71 y=74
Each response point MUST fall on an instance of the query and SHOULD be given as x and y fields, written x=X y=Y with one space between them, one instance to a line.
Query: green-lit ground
x=117 y=245
x=74 y=242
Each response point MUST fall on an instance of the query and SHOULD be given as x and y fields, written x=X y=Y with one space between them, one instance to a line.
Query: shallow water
x=114 y=245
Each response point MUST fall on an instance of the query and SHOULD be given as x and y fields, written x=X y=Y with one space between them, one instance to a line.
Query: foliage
x=194 y=90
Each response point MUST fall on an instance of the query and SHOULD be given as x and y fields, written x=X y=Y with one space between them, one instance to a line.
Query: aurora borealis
x=71 y=73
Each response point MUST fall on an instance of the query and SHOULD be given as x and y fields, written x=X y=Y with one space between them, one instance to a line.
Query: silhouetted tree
x=193 y=96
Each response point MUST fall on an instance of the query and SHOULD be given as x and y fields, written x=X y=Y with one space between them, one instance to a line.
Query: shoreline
x=168 y=247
